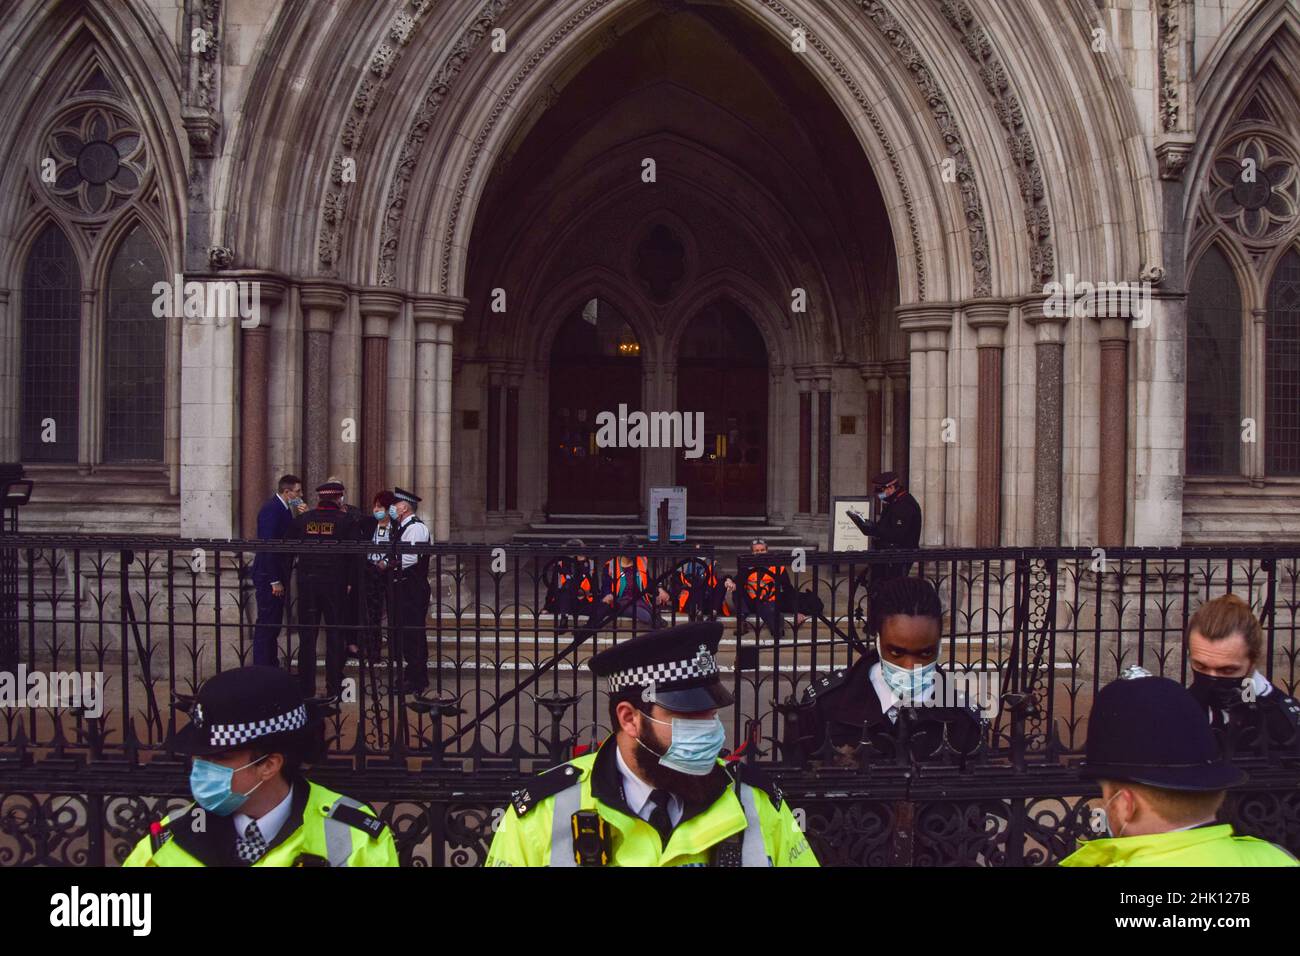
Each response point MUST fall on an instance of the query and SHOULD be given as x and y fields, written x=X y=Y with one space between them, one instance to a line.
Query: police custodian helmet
x=1150 y=730
x=248 y=706
x=673 y=667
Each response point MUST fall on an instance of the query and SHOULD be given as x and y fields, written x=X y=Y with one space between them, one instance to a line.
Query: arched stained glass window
x=1214 y=369
x=134 y=354
x=1282 y=370
x=51 y=347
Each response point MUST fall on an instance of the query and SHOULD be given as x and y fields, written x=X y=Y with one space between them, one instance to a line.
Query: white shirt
x=637 y=793
x=269 y=823
x=413 y=532
x=889 y=701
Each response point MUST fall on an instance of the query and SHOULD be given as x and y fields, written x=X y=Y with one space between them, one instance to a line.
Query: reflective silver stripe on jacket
x=338 y=835
x=567 y=802
x=752 y=851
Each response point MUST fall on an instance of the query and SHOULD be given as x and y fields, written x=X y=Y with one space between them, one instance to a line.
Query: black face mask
x=1217 y=692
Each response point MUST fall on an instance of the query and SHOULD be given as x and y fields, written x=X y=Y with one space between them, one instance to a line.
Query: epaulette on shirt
x=759 y=780
x=546 y=784
x=823 y=685
x=358 y=818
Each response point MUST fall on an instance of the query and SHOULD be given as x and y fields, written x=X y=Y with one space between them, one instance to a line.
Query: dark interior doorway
x=722 y=371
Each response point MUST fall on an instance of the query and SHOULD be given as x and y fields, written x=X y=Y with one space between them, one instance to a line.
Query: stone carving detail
x=1167 y=33
x=220 y=257
x=1020 y=143
x=352 y=137
x=204 y=86
x=937 y=100
x=99 y=157
x=1254 y=187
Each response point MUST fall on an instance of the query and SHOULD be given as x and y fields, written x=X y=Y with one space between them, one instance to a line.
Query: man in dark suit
x=271 y=570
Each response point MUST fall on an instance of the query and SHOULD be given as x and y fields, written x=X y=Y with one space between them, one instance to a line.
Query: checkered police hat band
x=701 y=665
x=232 y=735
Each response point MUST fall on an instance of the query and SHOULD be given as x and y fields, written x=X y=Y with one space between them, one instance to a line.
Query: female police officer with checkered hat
x=250 y=730
x=655 y=793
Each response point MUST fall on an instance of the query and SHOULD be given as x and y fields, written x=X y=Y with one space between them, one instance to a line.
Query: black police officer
x=326 y=579
x=897 y=529
x=853 y=712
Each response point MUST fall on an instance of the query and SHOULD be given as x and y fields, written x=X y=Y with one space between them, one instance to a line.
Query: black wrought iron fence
x=509 y=690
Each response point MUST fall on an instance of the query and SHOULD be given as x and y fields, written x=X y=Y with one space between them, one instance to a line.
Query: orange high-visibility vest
x=617 y=575
x=761 y=584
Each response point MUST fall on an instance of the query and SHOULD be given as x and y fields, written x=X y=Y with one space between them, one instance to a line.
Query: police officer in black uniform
x=895 y=692
x=897 y=529
x=326 y=578
x=411 y=592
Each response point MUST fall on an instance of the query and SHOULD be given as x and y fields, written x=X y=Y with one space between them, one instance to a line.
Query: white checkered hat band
x=232 y=735
x=701 y=665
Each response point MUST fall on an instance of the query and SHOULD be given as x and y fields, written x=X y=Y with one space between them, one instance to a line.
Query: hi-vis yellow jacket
x=1202 y=846
x=749 y=818
x=324 y=829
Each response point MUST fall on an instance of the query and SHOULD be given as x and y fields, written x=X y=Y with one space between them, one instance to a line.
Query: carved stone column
x=928 y=328
x=435 y=321
x=321 y=303
x=378 y=309
x=803 y=380
x=254 y=411
x=1112 y=478
x=874 y=377
x=1049 y=419
x=989 y=320
x=10 y=381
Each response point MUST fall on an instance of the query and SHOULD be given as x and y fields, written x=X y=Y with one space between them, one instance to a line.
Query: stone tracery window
x=109 y=365
x=1213 y=368
x=51 y=336
x=1243 y=374
x=1282 y=365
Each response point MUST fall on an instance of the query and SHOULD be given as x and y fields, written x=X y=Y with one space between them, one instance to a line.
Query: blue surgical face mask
x=695 y=747
x=392 y=512
x=294 y=502
x=380 y=514
x=909 y=683
x=210 y=784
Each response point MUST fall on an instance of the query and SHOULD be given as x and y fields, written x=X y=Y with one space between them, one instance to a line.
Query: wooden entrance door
x=722 y=371
x=595 y=367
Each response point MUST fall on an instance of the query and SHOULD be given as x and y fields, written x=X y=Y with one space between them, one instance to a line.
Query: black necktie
x=659 y=818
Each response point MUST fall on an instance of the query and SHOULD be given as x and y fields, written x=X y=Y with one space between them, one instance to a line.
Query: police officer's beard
x=692 y=790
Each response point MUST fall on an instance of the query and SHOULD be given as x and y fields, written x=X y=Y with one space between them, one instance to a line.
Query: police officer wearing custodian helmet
x=249 y=732
x=1163 y=781
x=655 y=793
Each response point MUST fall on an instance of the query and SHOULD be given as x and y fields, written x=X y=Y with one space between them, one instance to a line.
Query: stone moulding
x=380 y=64
x=949 y=131
x=387 y=271
x=1020 y=143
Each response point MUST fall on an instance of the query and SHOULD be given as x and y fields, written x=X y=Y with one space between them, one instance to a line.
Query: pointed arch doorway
x=595 y=366
x=722 y=371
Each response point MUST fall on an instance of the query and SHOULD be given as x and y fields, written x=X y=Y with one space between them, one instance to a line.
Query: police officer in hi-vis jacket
x=655 y=793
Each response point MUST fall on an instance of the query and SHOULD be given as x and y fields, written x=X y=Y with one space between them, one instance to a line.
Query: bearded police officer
x=655 y=793
x=411 y=592
x=1163 y=781
x=249 y=732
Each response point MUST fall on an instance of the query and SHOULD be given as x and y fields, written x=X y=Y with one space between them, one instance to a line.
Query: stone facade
x=913 y=173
